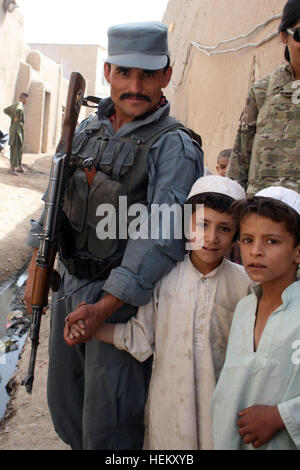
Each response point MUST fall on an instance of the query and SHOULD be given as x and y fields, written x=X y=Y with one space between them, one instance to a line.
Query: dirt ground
x=27 y=424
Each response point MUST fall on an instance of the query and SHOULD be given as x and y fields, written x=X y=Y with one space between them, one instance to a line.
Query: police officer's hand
x=90 y=317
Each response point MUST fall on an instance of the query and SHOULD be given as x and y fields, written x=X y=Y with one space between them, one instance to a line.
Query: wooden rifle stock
x=45 y=274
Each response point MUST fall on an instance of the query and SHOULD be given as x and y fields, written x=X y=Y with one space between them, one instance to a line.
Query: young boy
x=223 y=161
x=256 y=403
x=187 y=324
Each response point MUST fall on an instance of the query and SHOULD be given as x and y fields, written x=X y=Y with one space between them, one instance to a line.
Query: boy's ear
x=297 y=257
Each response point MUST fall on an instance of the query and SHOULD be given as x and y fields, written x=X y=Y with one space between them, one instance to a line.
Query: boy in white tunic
x=256 y=403
x=187 y=324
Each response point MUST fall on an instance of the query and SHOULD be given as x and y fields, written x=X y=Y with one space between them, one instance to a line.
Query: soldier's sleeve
x=242 y=149
x=241 y=154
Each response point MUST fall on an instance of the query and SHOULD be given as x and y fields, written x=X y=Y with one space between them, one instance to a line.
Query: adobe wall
x=25 y=70
x=87 y=59
x=209 y=93
x=12 y=50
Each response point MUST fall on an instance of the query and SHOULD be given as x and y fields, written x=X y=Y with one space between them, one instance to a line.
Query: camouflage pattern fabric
x=267 y=146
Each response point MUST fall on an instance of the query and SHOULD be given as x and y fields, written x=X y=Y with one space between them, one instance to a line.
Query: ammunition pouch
x=121 y=169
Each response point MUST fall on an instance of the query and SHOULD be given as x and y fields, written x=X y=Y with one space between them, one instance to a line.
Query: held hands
x=82 y=324
x=258 y=424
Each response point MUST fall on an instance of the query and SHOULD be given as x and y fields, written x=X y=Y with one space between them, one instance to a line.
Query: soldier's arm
x=241 y=154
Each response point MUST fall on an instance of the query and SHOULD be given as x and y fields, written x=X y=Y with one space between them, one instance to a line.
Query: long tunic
x=187 y=323
x=266 y=149
x=16 y=132
x=270 y=376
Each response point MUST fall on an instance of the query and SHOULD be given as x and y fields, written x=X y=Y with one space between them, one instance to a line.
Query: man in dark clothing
x=97 y=393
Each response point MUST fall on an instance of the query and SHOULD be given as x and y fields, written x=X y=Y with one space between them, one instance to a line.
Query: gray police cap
x=141 y=45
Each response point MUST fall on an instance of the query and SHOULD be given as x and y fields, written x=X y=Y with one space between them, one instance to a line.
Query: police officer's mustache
x=126 y=96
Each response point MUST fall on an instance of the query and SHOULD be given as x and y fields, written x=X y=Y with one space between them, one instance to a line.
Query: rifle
x=45 y=275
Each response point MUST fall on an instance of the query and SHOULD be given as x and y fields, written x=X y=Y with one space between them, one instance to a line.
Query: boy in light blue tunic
x=256 y=404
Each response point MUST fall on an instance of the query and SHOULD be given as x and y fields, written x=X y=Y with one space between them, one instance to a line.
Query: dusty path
x=27 y=424
x=20 y=201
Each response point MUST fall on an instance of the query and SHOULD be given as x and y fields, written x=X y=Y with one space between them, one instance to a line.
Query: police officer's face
x=135 y=91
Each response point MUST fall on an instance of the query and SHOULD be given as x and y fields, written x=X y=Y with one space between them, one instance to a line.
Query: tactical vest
x=121 y=170
x=276 y=146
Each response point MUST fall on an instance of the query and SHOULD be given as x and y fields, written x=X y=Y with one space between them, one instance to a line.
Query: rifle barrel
x=54 y=204
x=34 y=336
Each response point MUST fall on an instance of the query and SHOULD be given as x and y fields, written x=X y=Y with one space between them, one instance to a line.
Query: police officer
x=134 y=149
x=266 y=149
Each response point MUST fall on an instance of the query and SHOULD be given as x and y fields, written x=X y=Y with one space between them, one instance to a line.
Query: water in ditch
x=14 y=326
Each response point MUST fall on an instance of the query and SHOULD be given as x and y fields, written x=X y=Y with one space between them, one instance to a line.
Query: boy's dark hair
x=272 y=209
x=217 y=201
x=225 y=153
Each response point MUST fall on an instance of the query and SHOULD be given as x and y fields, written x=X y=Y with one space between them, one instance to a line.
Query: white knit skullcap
x=217 y=184
x=288 y=196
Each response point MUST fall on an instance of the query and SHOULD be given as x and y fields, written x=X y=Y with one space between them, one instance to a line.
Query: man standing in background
x=16 y=133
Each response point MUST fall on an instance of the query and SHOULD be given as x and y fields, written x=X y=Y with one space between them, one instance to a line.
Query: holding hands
x=82 y=324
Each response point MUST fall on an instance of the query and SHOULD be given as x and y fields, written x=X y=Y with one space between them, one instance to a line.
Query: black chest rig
x=119 y=164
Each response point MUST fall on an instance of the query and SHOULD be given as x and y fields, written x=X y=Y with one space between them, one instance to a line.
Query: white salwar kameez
x=268 y=376
x=187 y=326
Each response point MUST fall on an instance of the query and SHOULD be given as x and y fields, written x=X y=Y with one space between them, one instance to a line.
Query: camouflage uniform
x=267 y=146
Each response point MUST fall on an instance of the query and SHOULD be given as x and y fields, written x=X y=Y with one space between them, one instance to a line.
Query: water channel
x=11 y=294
